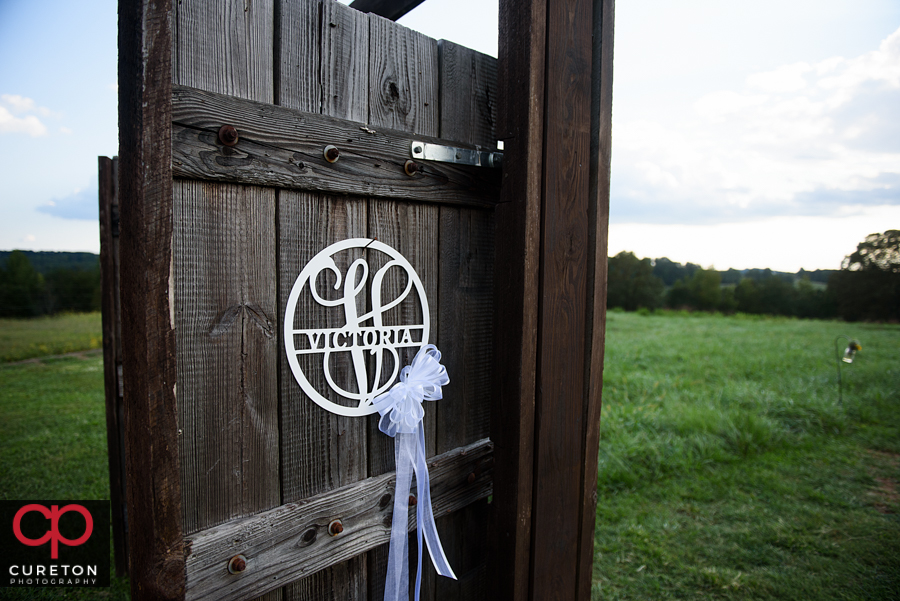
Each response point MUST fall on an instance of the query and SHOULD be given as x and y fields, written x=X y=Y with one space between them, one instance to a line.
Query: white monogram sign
x=366 y=344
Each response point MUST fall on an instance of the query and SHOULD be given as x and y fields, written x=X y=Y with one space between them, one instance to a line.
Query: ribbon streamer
x=401 y=418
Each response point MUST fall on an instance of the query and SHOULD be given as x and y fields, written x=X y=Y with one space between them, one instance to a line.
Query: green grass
x=26 y=338
x=728 y=470
x=53 y=428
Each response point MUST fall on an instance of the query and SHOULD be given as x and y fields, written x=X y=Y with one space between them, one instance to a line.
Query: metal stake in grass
x=853 y=347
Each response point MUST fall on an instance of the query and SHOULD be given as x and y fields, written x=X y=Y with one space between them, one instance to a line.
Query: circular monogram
x=345 y=334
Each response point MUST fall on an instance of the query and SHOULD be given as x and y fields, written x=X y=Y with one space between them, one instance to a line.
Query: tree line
x=67 y=282
x=867 y=287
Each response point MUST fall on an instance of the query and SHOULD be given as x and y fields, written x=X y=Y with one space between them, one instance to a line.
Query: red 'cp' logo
x=53 y=514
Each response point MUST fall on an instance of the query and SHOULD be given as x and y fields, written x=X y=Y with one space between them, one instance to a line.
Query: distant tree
x=705 y=287
x=878 y=252
x=76 y=290
x=868 y=285
x=21 y=287
x=776 y=295
x=631 y=283
x=727 y=304
x=732 y=276
x=670 y=272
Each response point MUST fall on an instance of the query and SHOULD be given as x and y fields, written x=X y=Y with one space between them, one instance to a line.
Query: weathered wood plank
x=521 y=74
x=225 y=290
x=148 y=337
x=112 y=353
x=598 y=221
x=468 y=113
x=389 y=9
x=403 y=95
x=285 y=148
x=320 y=450
x=561 y=403
x=226 y=326
x=291 y=541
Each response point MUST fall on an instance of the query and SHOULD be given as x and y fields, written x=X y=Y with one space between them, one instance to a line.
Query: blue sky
x=745 y=134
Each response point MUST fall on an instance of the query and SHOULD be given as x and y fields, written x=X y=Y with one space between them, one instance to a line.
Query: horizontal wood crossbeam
x=389 y=9
x=292 y=541
x=285 y=148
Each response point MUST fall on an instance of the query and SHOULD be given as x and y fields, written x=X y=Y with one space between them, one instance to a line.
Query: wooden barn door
x=258 y=90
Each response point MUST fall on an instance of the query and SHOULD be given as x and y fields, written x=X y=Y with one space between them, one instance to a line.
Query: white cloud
x=19 y=114
x=28 y=124
x=802 y=139
x=65 y=130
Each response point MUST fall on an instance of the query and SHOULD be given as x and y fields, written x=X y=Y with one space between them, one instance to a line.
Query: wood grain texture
x=521 y=74
x=148 y=339
x=112 y=353
x=598 y=222
x=292 y=540
x=225 y=291
x=226 y=324
x=403 y=95
x=468 y=113
x=563 y=336
x=284 y=148
x=320 y=450
x=389 y=9
x=225 y=46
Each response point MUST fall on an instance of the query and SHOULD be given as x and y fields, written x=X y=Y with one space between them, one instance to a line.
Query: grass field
x=727 y=468
x=26 y=338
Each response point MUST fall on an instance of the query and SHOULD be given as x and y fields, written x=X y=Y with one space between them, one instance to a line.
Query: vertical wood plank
x=521 y=73
x=112 y=353
x=601 y=151
x=155 y=536
x=403 y=94
x=468 y=114
x=225 y=293
x=322 y=53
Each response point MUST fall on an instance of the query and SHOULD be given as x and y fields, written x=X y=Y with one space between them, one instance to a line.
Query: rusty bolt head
x=411 y=168
x=331 y=153
x=471 y=477
x=237 y=564
x=228 y=135
x=335 y=528
x=413 y=500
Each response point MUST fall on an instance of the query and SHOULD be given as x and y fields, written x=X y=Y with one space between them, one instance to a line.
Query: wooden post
x=108 y=172
x=555 y=92
x=148 y=339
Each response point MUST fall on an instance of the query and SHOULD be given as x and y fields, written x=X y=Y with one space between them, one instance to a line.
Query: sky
x=745 y=134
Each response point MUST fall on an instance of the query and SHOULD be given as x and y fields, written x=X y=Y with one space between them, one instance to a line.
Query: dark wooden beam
x=155 y=539
x=555 y=89
x=389 y=9
x=108 y=174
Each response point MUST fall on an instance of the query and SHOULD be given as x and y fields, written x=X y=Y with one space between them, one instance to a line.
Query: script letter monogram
x=364 y=334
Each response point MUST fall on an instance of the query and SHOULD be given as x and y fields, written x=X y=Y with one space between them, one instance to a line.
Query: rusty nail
x=335 y=528
x=413 y=500
x=332 y=154
x=410 y=167
x=237 y=564
x=228 y=135
x=471 y=477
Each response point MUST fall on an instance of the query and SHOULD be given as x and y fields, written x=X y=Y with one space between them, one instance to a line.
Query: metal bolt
x=237 y=564
x=335 y=528
x=228 y=135
x=411 y=168
x=471 y=477
x=417 y=149
x=413 y=500
x=332 y=154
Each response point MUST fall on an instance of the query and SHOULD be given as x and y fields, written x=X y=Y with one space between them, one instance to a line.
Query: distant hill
x=44 y=261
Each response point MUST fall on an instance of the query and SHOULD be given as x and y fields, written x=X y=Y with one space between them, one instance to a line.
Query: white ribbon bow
x=401 y=416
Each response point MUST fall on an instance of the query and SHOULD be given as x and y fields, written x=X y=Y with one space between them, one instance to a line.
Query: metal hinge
x=448 y=154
